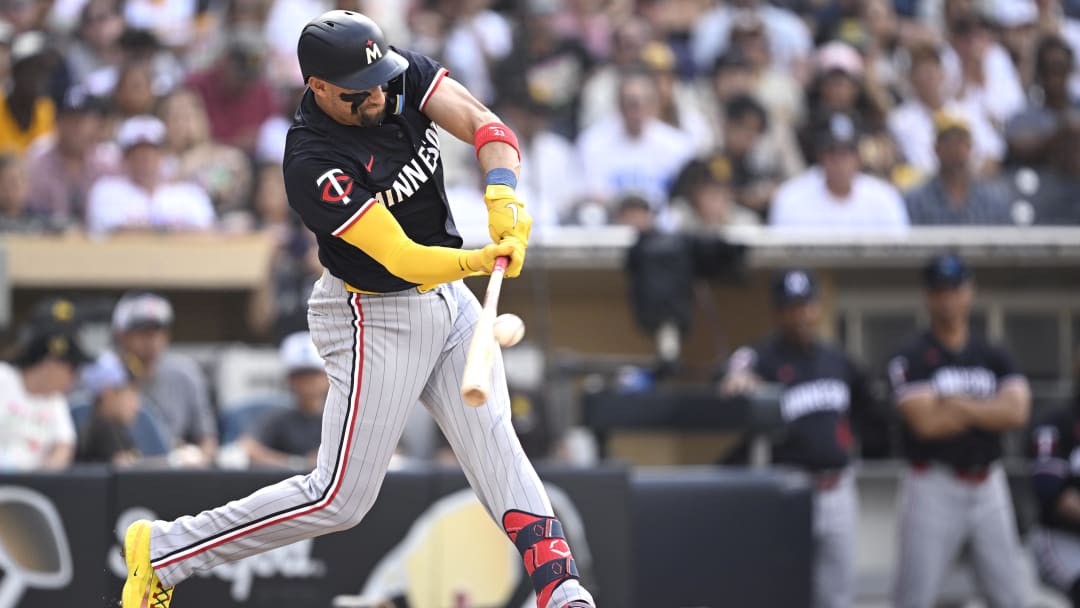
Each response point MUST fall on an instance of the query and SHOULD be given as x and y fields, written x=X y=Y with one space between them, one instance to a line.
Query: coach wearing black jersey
x=956 y=394
x=1056 y=480
x=821 y=388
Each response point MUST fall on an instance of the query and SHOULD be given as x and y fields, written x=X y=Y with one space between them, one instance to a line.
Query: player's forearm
x=939 y=422
x=1004 y=412
x=498 y=155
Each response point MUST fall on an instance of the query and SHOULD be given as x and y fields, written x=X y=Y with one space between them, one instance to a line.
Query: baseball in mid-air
x=509 y=329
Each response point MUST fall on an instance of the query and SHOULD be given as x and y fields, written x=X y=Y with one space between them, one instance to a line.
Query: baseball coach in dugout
x=390 y=315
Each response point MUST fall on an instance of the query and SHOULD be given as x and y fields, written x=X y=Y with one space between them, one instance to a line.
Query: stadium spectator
x=1055 y=540
x=954 y=195
x=172 y=21
x=134 y=94
x=36 y=430
x=15 y=212
x=912 y=122
x=678 y=104
x=290 y=438
x=171 y=386
x=779 y=90
x=733 y=77
x=63 y=169
x=237 y=96
x=707 y=188
x=1016 y=26
x=979 y=71
x=599 y=95
x=1050 y=196
x=545 y=66
x=222 y=171
x=106 y=435
x=822 y=392
x=754 y=175
x=1031 y=130
x=476 y=38
x=840 y=87
x=26 y=110
x=957 y=396
x=633 y=211
x=835 y=194
x=93 y=56
x=789 y=39
x=633 y=152
x=140 y=199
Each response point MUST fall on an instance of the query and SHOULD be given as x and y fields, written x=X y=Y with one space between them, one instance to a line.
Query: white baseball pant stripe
x=939 y=514
x=383 y=354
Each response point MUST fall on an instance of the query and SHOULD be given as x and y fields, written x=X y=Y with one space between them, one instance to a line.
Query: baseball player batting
x=390 y=315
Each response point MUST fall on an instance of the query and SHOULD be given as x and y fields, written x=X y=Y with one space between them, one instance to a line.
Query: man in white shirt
x=912 y=122
x=790 y=42
x=139 y=198
x=36 y=429
x=835 y=195
x=634 y=152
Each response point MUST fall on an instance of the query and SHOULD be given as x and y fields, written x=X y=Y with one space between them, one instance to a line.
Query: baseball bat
x=476 y=379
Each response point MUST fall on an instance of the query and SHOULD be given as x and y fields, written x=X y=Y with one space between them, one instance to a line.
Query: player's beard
x=373 y=118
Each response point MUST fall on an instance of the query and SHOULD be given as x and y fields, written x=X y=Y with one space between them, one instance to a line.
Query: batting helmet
x=349 y=50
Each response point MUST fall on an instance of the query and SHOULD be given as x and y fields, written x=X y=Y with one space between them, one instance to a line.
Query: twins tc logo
x=336 y=186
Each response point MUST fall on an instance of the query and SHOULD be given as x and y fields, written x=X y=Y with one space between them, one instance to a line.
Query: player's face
x=365 y=108
x=799 y=322
x=951 y=304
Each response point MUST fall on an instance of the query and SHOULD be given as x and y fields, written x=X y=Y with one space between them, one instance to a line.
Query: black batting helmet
x=349 y=50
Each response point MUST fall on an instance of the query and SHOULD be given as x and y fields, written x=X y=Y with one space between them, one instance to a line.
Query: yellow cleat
x=142 y=589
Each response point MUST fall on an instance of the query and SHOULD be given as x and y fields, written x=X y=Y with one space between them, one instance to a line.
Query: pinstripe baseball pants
x=383 y=354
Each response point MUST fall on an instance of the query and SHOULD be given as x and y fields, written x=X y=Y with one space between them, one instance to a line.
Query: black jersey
x=1055 y=453
x=820 y=387
x=975 y=372
x=335 y=172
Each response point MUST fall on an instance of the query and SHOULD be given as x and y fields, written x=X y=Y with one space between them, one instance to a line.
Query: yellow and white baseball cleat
x=142 y=589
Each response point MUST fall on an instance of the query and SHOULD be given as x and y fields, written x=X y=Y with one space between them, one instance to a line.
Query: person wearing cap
x=26 y=111
x=821 y=393
x=1055 y=479
x=835 y=195
x=172 y=386
x=64 y=167
x=36 y=429
x=290 y=438
x=954 y=196
x=107 y=436
x=957 y=394
x=140 y=199
x=912 y=122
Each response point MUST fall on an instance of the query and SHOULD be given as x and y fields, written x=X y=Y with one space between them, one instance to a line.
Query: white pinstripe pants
x=383 y=354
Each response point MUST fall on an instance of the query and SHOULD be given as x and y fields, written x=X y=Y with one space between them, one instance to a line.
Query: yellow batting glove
x=482 y=261
x=506 y=215
x=517 y=255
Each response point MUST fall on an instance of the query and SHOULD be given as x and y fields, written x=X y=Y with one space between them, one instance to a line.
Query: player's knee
x=343 y=513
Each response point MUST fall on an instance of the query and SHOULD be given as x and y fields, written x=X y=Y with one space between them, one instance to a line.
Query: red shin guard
x=544 y=550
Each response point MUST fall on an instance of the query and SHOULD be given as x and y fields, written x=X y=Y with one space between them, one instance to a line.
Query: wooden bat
x=476 y=379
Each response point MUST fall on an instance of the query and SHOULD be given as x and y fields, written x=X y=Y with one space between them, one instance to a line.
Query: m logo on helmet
x=373 y=51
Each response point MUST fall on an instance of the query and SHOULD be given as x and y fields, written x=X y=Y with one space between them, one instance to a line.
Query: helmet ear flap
x=395 y=94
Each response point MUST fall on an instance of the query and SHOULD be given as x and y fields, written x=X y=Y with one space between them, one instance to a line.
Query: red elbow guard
x=495 y=131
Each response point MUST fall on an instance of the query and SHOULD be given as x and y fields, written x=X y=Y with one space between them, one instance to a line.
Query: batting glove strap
x=559 y=570
x=541 y=529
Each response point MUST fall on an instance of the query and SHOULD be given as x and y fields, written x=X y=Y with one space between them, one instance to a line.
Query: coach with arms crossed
x=956 y=394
